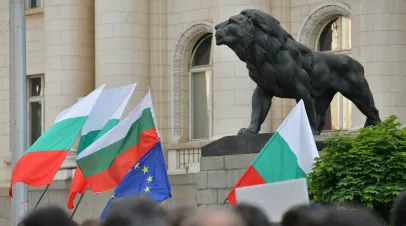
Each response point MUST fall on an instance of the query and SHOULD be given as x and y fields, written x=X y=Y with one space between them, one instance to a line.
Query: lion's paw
x=244 y=131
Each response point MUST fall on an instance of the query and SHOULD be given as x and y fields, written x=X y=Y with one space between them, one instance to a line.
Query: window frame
x=28 y=4
x=196 y=46
x=31 y=99
x=201 y=68
x=341 y=51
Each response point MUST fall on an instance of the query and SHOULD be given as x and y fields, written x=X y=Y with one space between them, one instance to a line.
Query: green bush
x=369 y=168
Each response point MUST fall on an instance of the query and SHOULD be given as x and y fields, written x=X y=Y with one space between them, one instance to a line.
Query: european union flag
x=147 y=177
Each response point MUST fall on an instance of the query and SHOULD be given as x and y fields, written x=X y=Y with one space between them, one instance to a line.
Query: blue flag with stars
x=147 y=177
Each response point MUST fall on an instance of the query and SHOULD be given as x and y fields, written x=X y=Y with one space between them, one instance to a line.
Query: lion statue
x=282 y=67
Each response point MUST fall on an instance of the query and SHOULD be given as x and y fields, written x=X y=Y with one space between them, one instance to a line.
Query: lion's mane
x=270 y=38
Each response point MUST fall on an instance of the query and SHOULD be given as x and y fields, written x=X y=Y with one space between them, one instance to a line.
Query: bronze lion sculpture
x=282 y=67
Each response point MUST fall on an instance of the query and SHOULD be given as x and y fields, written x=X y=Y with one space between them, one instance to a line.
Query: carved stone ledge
x=312 y=26
x=177 y=91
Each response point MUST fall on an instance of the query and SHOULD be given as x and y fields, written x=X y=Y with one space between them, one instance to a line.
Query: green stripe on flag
x=87 y=140
x=109 y=125
x=101 y=160
x=276 y=162
x=59 y=136
x=92 y=136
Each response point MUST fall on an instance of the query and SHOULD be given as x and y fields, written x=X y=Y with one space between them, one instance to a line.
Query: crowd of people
x=141 y=211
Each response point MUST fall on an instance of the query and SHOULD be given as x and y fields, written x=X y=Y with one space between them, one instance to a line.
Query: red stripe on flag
x=37 y=168
x=249 y=178
x=79 y=185
x=111 y=177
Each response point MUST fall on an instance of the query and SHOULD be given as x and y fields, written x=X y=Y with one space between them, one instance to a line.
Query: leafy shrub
x=369 y=168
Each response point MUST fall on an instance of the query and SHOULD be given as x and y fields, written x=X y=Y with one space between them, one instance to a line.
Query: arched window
x=200 y=89
x=336 y=37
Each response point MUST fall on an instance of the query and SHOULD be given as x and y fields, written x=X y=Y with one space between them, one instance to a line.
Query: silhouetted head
x=91 y=222
x=48 y=216
x=213 y=218
x=252 y=215
x=177 y=215
x=398 y=217
x=135 y=211
x=352 y=217
x=304 y=215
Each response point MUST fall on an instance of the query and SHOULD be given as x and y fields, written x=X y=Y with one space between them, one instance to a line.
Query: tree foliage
x=369 y=168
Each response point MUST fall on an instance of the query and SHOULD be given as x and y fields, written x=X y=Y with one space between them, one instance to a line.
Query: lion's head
x=250 y=27
x=237 y=30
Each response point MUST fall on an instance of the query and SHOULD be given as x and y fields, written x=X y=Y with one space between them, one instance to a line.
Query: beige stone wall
x=35 y=38
x=69 y=54
x=122 y=46
x=4 y=92
x=379 y=38
x=159 y=79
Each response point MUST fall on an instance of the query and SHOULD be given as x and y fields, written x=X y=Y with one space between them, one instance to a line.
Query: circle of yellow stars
x=149 y=179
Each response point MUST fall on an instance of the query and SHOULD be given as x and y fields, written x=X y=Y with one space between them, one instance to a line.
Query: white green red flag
x=288 y=155
x=40 y=163
x=106 y=161
x=105 y=115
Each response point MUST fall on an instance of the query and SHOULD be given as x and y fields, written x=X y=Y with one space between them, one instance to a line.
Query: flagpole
x=19 y=105
x=42 y=196
x=223 y=203
x=77 y=205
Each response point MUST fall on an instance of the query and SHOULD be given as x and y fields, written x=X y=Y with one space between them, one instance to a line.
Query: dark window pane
x=203 y=51
x=326 y=37
x=35 y=87
x=34 y=3
x=35 y=121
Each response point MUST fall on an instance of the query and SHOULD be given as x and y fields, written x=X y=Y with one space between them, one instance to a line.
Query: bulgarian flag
x=105 y=115
x=288 y=155
x=106 y=161
x=40 y=163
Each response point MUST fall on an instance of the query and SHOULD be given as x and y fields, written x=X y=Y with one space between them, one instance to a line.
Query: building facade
x=201 y=91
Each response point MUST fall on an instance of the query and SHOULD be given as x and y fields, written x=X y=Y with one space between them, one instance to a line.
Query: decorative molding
x=317 y=19
x=182 y=50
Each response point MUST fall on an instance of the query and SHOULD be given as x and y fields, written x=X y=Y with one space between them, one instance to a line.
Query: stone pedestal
x=224 y=161
x=245 y=144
